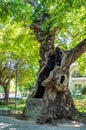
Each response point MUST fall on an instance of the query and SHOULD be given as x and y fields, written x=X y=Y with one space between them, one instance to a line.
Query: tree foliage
x=17 y=39
x=17 y=42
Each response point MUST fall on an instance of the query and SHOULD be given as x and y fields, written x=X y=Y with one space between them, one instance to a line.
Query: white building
x=76 y=81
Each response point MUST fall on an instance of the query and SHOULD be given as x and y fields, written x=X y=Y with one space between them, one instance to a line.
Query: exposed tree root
x=77 y=116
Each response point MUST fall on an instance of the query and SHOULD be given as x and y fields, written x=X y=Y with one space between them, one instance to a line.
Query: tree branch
x=76 y=52
x=33 y=3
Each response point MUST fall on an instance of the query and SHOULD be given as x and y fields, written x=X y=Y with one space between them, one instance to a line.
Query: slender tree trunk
x=6 y=91
x=6 y=95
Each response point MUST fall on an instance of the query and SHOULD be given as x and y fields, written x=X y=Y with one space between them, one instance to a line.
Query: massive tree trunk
x=46 y=39
x=58 y=102
x=53 y=78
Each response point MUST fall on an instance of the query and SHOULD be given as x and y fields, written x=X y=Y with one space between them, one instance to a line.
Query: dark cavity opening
x=58 y=56
x=43 y=75
x=52 y=60
x=62 y=79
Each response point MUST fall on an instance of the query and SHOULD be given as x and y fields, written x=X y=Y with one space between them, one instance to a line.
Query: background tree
x=17 y=44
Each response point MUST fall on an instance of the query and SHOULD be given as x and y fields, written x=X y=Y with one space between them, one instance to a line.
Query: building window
x=77 y=87
x=76 y=73
x=77 y=90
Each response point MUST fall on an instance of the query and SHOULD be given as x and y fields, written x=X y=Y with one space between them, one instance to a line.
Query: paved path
x=7 y=123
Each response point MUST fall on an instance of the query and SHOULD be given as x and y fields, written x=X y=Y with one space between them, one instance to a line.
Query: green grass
x=19 y=107
x=80 y=104
x=20 y=104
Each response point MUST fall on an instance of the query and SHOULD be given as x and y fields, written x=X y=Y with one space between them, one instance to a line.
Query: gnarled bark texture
x=46 y=38
x=54 y=76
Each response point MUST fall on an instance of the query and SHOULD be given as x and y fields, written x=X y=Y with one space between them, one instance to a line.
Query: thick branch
x=76 y=52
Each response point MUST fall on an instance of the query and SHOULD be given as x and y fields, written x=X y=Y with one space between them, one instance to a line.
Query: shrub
x=84 y=90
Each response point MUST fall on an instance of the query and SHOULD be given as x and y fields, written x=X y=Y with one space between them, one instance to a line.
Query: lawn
x=20 y=103
x=80 y=104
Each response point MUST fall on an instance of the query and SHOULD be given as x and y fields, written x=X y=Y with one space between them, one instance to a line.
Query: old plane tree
x=53 y=21
x=53 y=78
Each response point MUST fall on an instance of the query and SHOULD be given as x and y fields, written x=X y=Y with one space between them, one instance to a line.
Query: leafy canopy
x=16 y=16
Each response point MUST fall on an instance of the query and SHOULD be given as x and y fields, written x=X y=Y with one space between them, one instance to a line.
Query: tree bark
x=6 y=86
x=58 y=102
x=53 y=78
x=6 y=98
x=46 y=39
x=76 y=52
